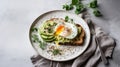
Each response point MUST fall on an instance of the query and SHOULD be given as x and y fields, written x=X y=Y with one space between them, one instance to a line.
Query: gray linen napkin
x=90 y=58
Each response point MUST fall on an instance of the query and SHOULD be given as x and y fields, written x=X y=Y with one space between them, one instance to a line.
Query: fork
x=97 y=41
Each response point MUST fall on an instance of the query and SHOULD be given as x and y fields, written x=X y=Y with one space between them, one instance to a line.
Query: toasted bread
x=81 y=37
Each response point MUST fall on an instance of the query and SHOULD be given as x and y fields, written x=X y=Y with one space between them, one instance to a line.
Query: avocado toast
x=59 y=31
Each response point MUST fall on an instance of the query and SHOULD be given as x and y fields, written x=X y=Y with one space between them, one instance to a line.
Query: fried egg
x=66 y=30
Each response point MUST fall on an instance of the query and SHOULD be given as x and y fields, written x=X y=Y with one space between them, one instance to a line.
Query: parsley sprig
x=56 y=51
x=97 y=13
x=35 y=39
x=80 y=7
x=68 y=7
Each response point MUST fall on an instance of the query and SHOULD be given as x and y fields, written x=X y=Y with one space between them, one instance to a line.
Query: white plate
x=69 y=52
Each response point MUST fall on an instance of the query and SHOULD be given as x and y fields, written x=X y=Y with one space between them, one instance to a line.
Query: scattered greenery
x=34 y=29
x=97 y=13
x=71 y=20
x=42 y=45
x=74 y=2
x=93 y=4
x=35 y=39
x=66 y=19
x=56 y=51
x=80 y=7
x=68 y=7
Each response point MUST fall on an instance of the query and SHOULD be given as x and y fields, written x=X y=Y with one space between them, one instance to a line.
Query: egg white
x=70 y=26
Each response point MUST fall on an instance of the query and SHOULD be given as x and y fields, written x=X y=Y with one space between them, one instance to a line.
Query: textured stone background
x=16 y=17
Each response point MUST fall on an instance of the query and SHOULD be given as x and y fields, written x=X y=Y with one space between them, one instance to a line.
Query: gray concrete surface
x=16 y=17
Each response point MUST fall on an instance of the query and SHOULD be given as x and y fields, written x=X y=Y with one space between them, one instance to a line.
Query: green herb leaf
x=97 y=13
x=71 y=20
x=42 y=45
x=93 y=4
x=74 y=2
x=34 y=29
x=56 y=51
x=68 y=7
x=35 y=38
x=77 y=12
x=66 y=19
x=79 y=8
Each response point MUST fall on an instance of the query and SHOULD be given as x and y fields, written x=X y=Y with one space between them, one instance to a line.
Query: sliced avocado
x=49 y=40
x=41 y=30
x=47 y=34
x=50 y=23
x=47 y=37
x=46 y=26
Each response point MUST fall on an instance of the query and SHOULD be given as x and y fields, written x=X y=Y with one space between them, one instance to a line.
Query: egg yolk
x=59 y=29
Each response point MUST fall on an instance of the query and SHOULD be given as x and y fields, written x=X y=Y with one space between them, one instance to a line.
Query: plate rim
x=37 y=19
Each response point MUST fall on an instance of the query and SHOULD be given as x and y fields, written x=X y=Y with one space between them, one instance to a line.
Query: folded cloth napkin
x=90 y=58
